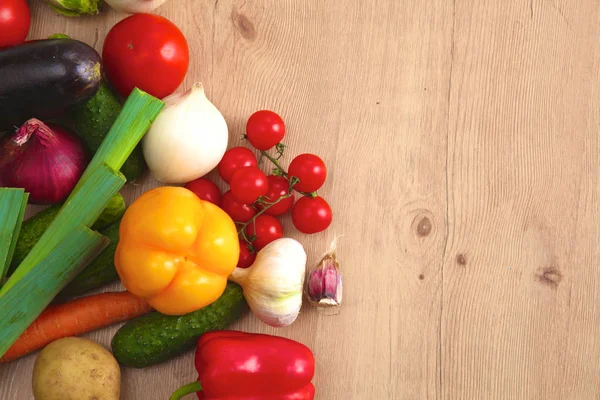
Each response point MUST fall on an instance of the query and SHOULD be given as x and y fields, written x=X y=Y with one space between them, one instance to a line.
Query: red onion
x=45 y=160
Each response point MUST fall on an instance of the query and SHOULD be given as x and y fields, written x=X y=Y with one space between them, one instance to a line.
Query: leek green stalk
x=33 y=229
x=12 y=210
x=81 y=208
x=30 y=295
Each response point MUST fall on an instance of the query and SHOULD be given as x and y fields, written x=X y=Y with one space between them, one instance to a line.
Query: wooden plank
x=521 y=298
x=491 y=105
x=364 y=85
x=365 y=88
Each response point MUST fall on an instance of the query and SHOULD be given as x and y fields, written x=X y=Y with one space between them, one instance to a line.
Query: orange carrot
x=76 y=317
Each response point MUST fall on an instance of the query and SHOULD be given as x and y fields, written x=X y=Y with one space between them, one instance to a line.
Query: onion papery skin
x=44 y=159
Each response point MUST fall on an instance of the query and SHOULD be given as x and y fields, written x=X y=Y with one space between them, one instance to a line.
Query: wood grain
x=462 y=143
x=520 y=302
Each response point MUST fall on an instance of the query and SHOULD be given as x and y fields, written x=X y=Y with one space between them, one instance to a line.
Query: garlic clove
x=325 y=283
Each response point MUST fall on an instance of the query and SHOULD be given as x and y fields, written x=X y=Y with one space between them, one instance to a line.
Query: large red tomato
x=15 y=20
x=148 y=52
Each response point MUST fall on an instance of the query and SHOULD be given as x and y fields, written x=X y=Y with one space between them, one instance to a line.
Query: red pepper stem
x=187 y=389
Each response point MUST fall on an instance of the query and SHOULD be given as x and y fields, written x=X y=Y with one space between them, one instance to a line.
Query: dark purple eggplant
x=46 y=78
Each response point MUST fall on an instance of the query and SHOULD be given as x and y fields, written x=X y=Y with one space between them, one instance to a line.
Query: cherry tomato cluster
x=254 y=199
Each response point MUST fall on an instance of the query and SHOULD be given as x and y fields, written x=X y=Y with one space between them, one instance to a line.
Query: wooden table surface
x=463 y=151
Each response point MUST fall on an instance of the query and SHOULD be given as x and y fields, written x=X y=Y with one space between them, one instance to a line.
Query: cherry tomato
x=278 y=186
x=15 y=20
x=148 y=52
x=246 y=256
x=268 y=229
x=265 y=129
x=248 y=184
x=234 y=159
x=311 y=171
x=237 y=210
x=311 y=215
x=205 y=189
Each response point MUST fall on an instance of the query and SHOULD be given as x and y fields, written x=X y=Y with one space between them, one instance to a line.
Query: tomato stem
x=279 y=171
x=275 y=162
x=267 y=205
x=243 y=227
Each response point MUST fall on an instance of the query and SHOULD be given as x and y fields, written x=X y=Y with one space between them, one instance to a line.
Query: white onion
x=187 y=139
x=135 y=6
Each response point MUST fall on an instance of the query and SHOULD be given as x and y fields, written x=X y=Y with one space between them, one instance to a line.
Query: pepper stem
x=187 y=389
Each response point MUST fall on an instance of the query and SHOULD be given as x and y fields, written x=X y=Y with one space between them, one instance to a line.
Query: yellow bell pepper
x=176 y=250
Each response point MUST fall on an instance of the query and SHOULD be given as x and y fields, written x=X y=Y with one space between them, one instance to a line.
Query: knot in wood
x=423 y=224
x=244 y=26
x=461 y=259
x=549 y=276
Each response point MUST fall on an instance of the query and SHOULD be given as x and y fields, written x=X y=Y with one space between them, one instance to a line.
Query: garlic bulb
x=273 y=284
x=187 y=139
x=135 y=6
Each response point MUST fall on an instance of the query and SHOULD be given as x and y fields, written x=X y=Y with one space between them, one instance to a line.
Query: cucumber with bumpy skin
x=155 y=337
x=92 y=121
x=33 y=229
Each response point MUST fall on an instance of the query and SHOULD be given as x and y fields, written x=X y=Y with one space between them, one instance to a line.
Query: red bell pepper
x=235 y=365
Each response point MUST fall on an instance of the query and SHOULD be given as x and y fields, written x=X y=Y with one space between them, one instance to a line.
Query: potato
x=76 y=369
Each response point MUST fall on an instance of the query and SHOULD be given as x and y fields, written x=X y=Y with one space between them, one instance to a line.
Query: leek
x=133 y=121
x=81 y=208
x=33 y=229
x=35 y=290
x=12 y=210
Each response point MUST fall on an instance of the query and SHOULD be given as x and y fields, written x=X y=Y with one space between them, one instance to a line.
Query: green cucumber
x=155 y=337
x=100 y=271
x=112 y=213
x=34 y=227
x=92 y=121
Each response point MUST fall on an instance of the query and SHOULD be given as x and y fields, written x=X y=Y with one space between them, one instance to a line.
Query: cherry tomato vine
x=254 y=200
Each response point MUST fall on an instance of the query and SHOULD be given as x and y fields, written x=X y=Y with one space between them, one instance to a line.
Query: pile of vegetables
x=67 y=245
x=192 y=259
